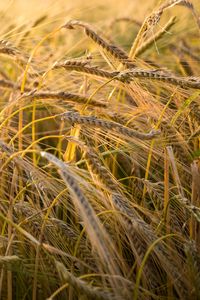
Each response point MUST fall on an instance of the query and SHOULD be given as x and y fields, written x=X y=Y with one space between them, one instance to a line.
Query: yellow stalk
x=152 y=145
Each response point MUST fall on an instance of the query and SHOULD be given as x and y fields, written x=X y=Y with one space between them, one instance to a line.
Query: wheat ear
x=94 y=228
x=184 y=82
x=8 y=49
x=146 y=45
x=82 y=67
x=82 y=287
x=62 y=96
x=74 y=117
x=8 y=84
x=115 y=51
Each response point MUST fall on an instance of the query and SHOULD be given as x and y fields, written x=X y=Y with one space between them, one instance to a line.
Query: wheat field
x=100 y=150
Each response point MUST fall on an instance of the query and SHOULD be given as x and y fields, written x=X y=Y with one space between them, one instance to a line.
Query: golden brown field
x=100 y=150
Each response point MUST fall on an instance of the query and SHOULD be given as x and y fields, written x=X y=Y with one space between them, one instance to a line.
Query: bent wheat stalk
x=184 y=82
x=140 y=232
x=186 y=3
x=82 y=67
x=62 y=96
x=114 y=50
x=82 y=287
x=8 y=84
x=7 y=48
x=146 y=45
x=152 y=20
x=130 y=74
x=74 y=117
x=94 y=228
